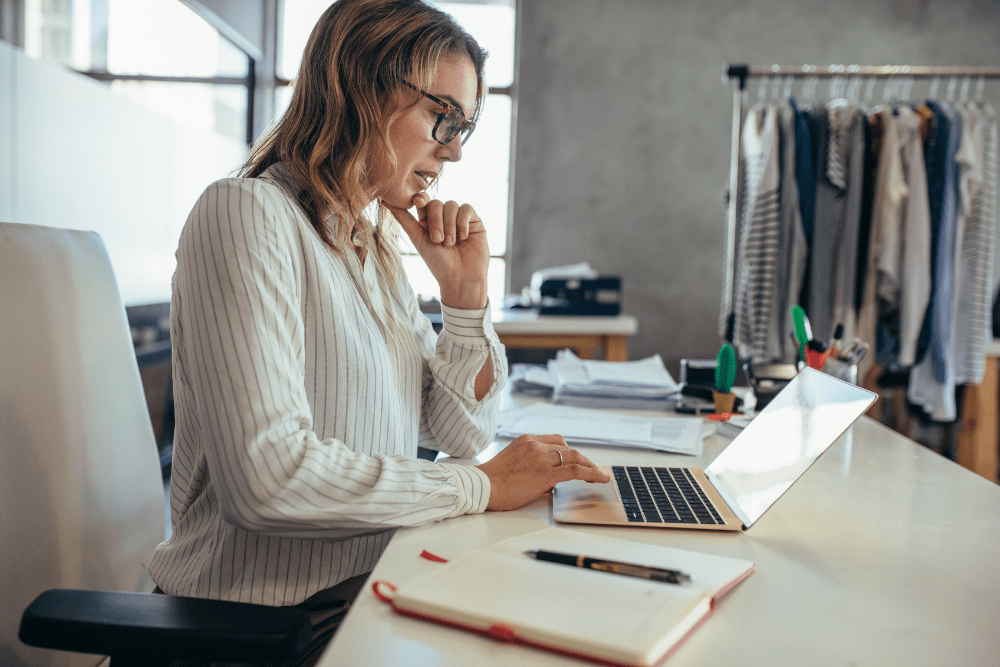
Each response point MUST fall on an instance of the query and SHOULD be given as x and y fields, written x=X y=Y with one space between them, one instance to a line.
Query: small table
x=585 y=335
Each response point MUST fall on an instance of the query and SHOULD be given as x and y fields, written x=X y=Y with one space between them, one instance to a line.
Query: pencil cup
x=841 y=369
x=724 y=401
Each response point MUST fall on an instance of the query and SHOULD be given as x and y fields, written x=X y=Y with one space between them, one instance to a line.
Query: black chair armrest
x=161 y=628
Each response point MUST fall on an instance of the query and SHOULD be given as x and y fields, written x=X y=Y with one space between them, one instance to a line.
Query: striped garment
x=303 y=384
x=754 y=299
x=975 y=290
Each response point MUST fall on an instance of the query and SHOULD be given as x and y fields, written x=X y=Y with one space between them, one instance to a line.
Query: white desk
x=520 y=329
x=838 y=582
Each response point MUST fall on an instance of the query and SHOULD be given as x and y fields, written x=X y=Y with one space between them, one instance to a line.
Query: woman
x=304 y=373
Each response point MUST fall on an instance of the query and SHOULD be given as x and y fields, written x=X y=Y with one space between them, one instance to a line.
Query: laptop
x=747 y=478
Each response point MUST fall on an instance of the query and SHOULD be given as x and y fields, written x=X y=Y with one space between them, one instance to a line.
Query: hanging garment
x=973 y=326
x=753 y=297
x=935 y=160
x=932 y=380
x=805 y=170
x=835 y=228
x=873 y=143
x=793 y=249
x=883 y=196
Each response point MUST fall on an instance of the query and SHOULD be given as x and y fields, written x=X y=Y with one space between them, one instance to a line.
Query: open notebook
x=607 y=618
x=746 y=479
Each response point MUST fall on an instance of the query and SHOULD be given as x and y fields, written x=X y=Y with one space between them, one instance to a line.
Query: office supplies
x=838 y=333
x=586 y=296
x=732 y=427
x=803 y=332
x=614 y=567
x=746 y=479
x=530 y=380
x=697 y=399
x=767 y=380
x=638 y=385
x=576 y=289
x=583 y=426
x=589 y=615
x=697 y=371
x=816 y=354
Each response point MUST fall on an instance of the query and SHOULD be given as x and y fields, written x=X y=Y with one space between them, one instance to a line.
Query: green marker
x=803 y=332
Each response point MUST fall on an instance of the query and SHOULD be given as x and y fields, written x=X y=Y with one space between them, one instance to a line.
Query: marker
x=838 y=331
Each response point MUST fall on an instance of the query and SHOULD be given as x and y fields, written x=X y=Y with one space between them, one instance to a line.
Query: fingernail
x=450 y=240
x=436 y=236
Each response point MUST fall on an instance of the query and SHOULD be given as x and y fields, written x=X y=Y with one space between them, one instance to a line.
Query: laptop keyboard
x=663 y=495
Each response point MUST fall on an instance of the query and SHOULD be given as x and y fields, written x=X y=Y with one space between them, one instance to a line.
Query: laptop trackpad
x=577 y=501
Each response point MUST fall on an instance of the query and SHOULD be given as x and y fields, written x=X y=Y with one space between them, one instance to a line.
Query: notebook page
x=709 y=573
x=601 y=614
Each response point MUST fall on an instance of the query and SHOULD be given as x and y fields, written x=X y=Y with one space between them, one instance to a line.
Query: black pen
x=612 y=566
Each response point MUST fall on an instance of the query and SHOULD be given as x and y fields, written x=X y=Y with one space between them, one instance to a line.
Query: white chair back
x=81 y=501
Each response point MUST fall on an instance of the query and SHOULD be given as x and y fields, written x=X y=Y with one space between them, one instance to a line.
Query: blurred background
x=606 y=137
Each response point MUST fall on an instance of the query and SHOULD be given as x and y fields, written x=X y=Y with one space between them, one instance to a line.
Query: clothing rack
x=738 y=74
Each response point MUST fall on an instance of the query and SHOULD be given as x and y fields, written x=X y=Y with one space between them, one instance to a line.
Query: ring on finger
x=559 y=452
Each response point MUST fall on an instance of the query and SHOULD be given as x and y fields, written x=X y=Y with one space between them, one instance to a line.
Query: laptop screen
x=787 y=437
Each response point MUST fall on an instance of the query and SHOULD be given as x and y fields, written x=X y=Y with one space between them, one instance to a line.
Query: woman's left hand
x=451 y=239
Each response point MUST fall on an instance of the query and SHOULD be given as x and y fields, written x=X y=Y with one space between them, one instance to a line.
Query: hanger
x=870 y=88
x=809 y=87
x=964 y=96
x=935 y=82
x=950 y=95
x=853 y=88
x=979 y=88
x=889 y=89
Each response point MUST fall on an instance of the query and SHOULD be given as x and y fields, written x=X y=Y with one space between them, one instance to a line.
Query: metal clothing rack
x=738 y=75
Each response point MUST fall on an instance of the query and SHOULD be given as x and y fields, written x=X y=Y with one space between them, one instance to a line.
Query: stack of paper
x=530 y=380
x=581 y=426
x=627 y=385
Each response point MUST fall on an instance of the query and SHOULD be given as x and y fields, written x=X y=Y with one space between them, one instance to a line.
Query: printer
x=577 y=289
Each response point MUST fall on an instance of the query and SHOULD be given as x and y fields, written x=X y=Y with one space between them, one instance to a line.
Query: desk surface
x=513 y=322
x=883 y=553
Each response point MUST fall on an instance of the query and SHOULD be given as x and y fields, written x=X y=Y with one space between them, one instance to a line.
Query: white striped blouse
x=303 y=383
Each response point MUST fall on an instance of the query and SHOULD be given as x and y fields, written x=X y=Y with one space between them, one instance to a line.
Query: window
x=157 y=53
x=482 y=177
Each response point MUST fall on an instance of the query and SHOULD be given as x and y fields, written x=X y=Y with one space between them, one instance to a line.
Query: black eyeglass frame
x=463 y=128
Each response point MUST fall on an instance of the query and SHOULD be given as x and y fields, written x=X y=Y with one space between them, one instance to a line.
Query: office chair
x=80 y=485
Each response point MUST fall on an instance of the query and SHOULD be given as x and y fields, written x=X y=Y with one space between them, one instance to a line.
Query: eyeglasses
x=451 y=121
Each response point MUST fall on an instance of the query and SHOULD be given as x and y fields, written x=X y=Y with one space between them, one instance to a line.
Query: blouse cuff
x=467 y=326
x=473 y=488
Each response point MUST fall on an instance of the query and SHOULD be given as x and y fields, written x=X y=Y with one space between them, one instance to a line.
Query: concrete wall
x=624 y=123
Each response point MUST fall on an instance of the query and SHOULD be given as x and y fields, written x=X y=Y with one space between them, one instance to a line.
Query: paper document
x=584 y=426
x=640 y=385
x=640 y=434
x=648 y=372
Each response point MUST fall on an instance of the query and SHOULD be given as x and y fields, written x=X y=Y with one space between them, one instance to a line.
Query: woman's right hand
x=530 y=466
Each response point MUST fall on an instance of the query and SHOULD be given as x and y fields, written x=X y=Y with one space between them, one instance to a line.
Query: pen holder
x=724 y=401
x=841 y=369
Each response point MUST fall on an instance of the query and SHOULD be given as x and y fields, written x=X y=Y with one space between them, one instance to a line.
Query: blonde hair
x=345 y=96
